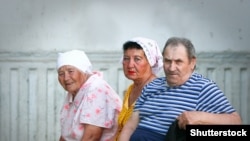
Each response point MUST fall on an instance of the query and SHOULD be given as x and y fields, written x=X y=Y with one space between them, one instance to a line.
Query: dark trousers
x=142 y=134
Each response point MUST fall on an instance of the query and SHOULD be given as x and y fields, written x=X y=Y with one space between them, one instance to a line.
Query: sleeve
x=100 y=105
x=141 y=99
x=212 y=99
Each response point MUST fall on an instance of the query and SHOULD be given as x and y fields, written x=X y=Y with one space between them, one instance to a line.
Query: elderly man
x=182 y=94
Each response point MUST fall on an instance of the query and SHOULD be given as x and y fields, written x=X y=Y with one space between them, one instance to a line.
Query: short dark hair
x=130 y=45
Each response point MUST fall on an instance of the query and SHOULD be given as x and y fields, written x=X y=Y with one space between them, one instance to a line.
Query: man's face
x=177 y=67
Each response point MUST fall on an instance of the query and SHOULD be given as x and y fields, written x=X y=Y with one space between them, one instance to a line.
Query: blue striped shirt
x=159 y=105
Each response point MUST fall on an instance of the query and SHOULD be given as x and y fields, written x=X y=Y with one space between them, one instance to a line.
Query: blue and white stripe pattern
x=159 y=105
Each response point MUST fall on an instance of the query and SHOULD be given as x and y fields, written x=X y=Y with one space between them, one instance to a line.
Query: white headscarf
x=152 y=52
x=75 y=58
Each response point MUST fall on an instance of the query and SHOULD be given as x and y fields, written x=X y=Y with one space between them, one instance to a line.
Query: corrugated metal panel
x=31 y=97
x=30 y=101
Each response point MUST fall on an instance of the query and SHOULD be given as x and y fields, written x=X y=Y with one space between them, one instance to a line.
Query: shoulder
x=199 y=83
x=97 y=83
x=199 y=79
x=159 y=80
x=157 y=84
x=95 y=79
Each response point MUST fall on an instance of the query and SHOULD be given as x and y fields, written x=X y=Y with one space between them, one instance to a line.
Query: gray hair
x=174 y=41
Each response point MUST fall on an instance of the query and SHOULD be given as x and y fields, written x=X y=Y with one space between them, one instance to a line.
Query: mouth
x=131 y=72
x=68 y=84
x=172 y=75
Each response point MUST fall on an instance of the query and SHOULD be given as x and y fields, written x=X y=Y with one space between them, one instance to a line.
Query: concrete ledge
x=115 y=56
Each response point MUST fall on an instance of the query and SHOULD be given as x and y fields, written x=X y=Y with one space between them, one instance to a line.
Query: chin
x=130 y=77
x=171 y=83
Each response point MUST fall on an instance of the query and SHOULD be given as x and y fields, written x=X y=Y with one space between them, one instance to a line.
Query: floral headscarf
x=152 y=52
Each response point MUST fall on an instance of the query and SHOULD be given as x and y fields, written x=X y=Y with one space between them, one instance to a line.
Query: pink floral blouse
x=97 y=104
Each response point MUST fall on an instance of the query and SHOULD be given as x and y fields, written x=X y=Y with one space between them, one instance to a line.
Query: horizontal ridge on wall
x=116 y=56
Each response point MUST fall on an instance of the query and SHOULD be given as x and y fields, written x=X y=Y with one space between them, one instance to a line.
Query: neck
x=137 y=88
x=142 y=82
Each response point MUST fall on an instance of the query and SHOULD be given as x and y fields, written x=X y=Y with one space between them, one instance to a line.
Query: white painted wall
x=98 y=25
x=31 y=97
x=33 y=31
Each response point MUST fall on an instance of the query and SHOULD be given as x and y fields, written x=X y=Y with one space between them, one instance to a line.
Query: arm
x=92 y=133
x=198 y=117
x=61 y=139
x=210 y=109
x=129 y=127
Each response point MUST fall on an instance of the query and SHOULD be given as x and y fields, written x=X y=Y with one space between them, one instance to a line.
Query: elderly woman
x=91 y=107
x=142 y=60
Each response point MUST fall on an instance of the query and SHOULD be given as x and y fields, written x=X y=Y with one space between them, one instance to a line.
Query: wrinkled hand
x=189 y=117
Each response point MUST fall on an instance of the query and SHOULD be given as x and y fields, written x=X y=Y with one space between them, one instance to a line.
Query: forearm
x=129 y=127
x=126 y=133
x=205 y=118
x=92 y=133
x=61 y=139
x=209 y=118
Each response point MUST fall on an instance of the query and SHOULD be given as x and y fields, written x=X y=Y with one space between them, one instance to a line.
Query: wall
x=33 y=31
x=56 y=25
x=31 y=96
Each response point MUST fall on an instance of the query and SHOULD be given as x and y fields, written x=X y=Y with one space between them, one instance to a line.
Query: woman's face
x=135 y=64
x=71 y=78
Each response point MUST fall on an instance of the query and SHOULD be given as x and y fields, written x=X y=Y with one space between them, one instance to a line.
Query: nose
x=172 y=66
x=131 y=63
x=66 y=76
